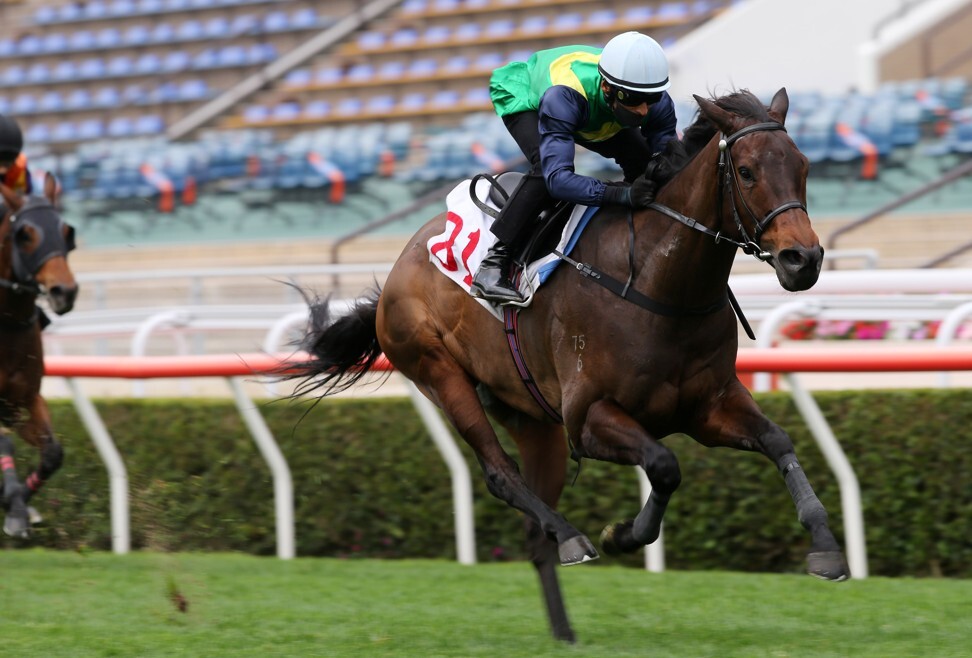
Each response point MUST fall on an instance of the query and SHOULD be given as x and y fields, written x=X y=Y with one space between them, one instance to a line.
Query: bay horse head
x=763 y=185
x=36 y=243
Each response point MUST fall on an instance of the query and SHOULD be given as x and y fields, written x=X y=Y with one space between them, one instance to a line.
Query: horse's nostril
x=793 y=259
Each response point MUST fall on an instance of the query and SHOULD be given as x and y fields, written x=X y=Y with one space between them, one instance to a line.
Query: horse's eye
x=746 y=174
x=23 y=236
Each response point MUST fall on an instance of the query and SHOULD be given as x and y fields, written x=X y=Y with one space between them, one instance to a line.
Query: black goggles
x=630 y=98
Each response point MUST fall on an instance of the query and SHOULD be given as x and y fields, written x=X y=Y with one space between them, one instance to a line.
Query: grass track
x=97 y=604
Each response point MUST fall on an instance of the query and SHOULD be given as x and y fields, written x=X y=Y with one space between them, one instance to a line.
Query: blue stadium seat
x=276 y=21
x=435 y=34
x=371 y=40
x=64 y=131
x=92 y=68
x=37 y=133
x=78 y=99
x=81 y=40
x=150 y=6
x=457 y=64
x=38 y=73
x=412 y=101
x=133 y=94
x=120 y=65
x=362 y=72
x=163 y=33
x=304 y=18
x=231 y=56
x=255 y=114
x=64 y=71
x=109 y=37
x=405 y=36
x=149 y=124
x=673 y=11
x=414 y=6
x=261 y=53
x=13 y=76
x=391 y=70
x=499 y=28
x=50 y=101
x=468 y=31
x=193 y=89
x=534 y=24
x=316 y=109
x=285 y=111
x=120 y=127
x=422 y=67
x=136 y=35
x=8 y=47
x=348 y=106
x=176 y=61
x=4 y=105
x=45 y=14
x=298 y=78
x=90 y=129
x=205 y=59
x=243 y=24
x=107 y=97
x=189 y=30
x=216 y=28
x=121 y=8
x=69 y=12
x=176 y=6
x=164 y=92
x=94 y=10
x=55 y=42
x=602 y=18
x=488 y=61
x=328 y=75
x=24 y=104
x=569 y=22
x=380 y=104
x=29 y=45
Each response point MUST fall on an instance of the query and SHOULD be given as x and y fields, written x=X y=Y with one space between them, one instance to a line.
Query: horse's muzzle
x=61 y=298
x=798 y=268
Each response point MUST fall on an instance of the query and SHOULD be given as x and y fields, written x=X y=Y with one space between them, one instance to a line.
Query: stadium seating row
x=98 y=10
x=162 y=34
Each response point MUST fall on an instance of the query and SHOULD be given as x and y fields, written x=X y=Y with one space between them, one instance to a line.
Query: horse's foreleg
x=543 y=452
x=610 y=434
x=38 y=432
x=16 y=523
x=734 y=425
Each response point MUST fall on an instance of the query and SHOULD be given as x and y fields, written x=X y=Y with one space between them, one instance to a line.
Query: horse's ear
x=779 y=105
x=51 y=188
x=722 y=119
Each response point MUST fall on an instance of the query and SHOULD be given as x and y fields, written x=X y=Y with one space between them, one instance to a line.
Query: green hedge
x=369 y=482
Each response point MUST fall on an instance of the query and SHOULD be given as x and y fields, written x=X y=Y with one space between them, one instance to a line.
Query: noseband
x=730 y=187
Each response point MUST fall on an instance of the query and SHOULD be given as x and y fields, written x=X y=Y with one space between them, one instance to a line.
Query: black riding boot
x=492 y=281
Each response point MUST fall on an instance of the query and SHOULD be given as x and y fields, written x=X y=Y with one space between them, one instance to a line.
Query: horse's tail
x=341 y=351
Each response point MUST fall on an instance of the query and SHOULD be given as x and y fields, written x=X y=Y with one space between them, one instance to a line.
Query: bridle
x=47 y=223
x=730 y=187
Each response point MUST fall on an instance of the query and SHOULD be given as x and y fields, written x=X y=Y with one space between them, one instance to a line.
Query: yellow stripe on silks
x=562 y=74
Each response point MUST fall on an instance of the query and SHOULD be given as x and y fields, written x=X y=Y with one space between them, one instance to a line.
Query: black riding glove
x=637 y=195
x=643 y=192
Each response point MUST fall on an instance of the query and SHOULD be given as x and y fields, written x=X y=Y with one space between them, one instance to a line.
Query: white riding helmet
x=635 y=62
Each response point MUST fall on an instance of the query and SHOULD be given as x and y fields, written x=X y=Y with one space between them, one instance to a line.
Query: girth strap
x=510 y=316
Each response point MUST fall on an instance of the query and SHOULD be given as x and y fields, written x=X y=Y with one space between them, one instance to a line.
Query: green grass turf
x=98 y=604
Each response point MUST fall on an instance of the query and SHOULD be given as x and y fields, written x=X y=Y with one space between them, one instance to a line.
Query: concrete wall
x=803 y=45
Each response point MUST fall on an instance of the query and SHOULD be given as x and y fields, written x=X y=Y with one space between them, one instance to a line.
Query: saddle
x=548 y=226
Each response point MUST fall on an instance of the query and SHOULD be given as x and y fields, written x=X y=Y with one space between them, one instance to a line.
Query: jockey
x=611 y=101
x=14 y=175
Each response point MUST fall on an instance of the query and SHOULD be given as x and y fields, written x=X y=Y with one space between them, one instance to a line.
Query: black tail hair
x=342 y=351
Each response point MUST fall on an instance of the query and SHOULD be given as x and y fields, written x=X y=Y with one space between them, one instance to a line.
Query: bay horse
x=34 y=244
x=618 y=368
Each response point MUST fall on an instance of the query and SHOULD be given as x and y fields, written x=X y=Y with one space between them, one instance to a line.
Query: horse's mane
x=679 y=153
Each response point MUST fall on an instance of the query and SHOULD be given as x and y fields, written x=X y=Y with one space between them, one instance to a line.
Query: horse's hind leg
x=449 y=386
x=16 y=523
x=609 y=434
x=543 y=453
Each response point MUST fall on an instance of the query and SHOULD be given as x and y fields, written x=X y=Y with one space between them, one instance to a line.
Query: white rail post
x=654 y=552
x=117 y=475
x=459 y=471
x=283 y=486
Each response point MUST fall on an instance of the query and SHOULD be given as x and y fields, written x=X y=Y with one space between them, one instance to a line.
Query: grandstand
x=248 y=123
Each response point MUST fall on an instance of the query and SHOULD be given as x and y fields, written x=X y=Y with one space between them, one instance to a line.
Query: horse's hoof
x=828 y=565
x=577 y=550
x=34 y=516
x=16 y=527
x=616 y=538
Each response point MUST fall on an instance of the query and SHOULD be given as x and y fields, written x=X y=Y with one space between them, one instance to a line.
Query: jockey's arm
x=659 y=128
x=562 y=112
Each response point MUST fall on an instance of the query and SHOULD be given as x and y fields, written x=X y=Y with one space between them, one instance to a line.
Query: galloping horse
x=622 y=366
x=34 y=243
